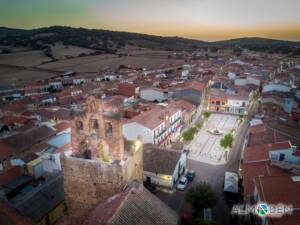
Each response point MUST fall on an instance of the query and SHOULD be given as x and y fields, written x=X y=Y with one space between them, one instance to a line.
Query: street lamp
x=137 y=144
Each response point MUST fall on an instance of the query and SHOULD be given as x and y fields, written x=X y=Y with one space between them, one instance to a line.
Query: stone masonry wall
x=88 y=182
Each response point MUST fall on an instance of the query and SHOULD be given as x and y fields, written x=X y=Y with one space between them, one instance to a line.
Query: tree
x=226 y=142
x=206 y=114
x=201 y=196
x=188 y=135
x=200 y=221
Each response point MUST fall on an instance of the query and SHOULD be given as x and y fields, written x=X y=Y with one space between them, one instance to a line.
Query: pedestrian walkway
x=206 y=146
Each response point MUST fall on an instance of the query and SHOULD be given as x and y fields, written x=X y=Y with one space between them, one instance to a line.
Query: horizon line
x=151 y=34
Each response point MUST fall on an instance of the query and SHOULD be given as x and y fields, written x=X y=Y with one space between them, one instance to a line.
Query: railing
x=161 y=133
x=175 y=121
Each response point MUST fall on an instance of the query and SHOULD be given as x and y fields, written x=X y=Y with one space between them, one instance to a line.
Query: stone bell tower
x=102 y=163
x=96 y=134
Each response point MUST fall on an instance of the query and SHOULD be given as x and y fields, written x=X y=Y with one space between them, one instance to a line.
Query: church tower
x=102 y=162
x=98 y=135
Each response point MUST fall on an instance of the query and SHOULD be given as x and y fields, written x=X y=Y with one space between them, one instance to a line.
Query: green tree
x=201 y=196
x=188 y=135
x=198 y=125
x=227 y=141
x=206 y=114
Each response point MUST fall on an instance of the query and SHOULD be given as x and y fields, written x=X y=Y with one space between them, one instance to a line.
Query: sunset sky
x=199 y=19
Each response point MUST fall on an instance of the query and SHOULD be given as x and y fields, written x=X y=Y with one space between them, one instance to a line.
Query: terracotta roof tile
x=252 y=170
x=272 y=191
x=162 y=161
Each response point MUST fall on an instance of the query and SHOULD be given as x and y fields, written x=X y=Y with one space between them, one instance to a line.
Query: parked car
x=190 y=175
x=182 y=184
x=150 y=187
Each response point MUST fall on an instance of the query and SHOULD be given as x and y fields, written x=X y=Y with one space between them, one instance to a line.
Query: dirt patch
x=60 y=51
x=20 y=77
x=27 y=58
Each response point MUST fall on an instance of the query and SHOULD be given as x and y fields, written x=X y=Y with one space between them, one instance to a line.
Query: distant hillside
x=111 y=41
x=260 y=44
x=7 y=32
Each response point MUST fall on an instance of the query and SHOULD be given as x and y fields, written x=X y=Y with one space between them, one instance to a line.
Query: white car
x=182 y=184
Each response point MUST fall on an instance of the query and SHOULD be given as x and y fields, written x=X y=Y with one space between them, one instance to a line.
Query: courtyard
x=205 y=147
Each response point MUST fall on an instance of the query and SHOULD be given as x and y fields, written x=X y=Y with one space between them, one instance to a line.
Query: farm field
x=60 y=51
x=19 y=77
x=26 y=58
x=95 y=63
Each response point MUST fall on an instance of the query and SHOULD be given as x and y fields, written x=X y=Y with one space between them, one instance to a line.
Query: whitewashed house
x=270 y=87
x=159 y=126
x=163 y=167
x=79 y=81
x=57 y=85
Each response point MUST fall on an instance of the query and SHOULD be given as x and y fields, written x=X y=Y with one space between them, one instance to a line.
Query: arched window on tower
x=95 y=125
x=108 y=130
x=79 y=125
x=87 y=154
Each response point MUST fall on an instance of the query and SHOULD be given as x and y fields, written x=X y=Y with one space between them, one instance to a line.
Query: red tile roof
x=195 y=85
x=11 y=120
x=10 y=175
x=252 y=170
x=257 y=129
x=155 y=116
x=261 y=152
x=281 y=145
x=12 y=216
x=127 y=89
x=62 y=126
x=272 y=190
x=185 y=104
x=6 y=150
x=257 y=153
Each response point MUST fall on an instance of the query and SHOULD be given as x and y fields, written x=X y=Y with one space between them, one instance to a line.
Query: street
x=213 y=174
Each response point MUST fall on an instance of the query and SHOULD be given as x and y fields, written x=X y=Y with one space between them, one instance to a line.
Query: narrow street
x=213 y=174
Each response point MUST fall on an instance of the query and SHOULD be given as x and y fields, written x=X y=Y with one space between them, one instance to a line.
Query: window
x=218 y=103
x=79 y=125
x=87 y=154
x=213 y=102
x=95 y=125
x=223 y=103
x=108 y=130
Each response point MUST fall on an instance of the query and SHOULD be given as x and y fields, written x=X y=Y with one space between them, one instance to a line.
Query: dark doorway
x=281 y=157
x=87 y=154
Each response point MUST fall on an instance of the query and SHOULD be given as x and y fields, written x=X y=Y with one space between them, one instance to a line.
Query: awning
x=231 y=182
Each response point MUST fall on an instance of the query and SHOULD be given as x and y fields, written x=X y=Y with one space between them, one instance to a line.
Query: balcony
x=175 y=121
x=161 y=133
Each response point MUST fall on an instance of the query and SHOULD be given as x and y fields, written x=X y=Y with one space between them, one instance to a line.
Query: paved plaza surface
x=205 y=147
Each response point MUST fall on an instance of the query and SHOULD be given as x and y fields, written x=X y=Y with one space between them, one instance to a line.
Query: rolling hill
x=110 y=41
